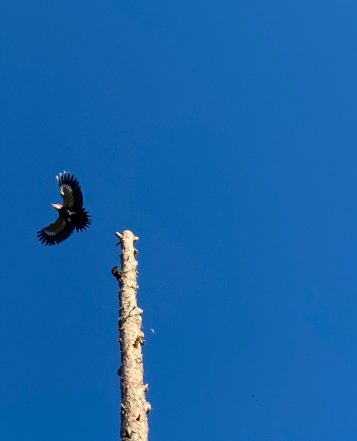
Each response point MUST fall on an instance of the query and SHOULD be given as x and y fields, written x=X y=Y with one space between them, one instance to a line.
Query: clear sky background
x=224 y=135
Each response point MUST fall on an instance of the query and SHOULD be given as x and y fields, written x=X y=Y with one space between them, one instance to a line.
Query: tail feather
x=81 y=220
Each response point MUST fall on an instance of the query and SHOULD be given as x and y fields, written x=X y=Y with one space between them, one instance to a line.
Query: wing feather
x=70 y=191
x=56 y=232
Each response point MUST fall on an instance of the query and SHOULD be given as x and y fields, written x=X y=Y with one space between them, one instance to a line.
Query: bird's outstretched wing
x=56 y=232
x=70 y=191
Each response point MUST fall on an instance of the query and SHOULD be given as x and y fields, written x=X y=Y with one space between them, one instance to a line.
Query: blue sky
x=224 y=135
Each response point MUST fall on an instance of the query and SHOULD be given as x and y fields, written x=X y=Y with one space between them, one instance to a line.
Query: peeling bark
x=134 y=407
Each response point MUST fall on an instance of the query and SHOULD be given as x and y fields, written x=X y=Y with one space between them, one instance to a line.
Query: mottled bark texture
x=134 y=407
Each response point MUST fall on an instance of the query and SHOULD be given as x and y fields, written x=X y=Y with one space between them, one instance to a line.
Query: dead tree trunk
x=134 y=407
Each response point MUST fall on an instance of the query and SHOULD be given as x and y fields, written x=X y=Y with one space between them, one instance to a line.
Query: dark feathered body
x=71 y=214
x=79 y=218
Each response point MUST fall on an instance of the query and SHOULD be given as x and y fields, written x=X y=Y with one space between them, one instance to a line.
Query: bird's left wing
x=70 y=191
x=56 y=232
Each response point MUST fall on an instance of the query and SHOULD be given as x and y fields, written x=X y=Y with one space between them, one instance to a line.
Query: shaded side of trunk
x=134 y=407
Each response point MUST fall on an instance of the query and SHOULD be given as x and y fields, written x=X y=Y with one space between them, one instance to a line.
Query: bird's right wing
x=56 y=232
x=70 y=191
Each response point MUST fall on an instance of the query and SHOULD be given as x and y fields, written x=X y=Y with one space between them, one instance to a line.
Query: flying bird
x=71 y=214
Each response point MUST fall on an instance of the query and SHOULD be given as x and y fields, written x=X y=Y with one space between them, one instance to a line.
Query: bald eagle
x=71 y=214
